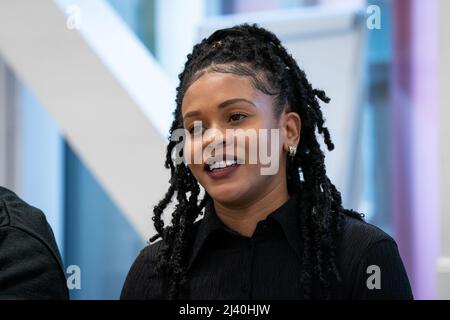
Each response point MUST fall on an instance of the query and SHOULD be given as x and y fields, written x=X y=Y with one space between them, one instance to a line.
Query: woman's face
x=224 y=101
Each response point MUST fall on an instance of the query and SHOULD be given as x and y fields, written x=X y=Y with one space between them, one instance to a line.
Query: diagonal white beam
x=110 y=98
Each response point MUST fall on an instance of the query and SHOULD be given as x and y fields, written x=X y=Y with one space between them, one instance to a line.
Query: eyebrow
x=221 y=105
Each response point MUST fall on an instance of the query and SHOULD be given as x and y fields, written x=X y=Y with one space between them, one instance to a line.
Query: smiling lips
x=220 y=164
x=220 y=169
x=221 y=161
x=223 y=172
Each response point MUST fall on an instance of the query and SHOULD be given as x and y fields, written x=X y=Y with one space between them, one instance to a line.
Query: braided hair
x=254 y=52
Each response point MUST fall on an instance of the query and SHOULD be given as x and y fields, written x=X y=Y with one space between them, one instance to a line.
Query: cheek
x=196 y=170
x=192 y=151
x=188 y=151
x=260 y=147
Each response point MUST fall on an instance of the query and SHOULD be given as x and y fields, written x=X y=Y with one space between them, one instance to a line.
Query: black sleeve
x=28 y=270
x=143 y=282
x=381 y=274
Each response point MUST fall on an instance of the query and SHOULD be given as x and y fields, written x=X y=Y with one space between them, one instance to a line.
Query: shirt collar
x=287 y=215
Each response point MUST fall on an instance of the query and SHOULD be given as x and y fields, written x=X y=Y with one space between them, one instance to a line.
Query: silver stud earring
x=292 y=150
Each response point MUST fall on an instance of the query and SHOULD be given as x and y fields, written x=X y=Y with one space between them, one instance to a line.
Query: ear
x=290 y=125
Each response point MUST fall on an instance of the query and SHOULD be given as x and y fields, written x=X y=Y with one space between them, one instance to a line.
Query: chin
x=228 y=194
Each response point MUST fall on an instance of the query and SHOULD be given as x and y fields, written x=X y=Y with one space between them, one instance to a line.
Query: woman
x=282 y=235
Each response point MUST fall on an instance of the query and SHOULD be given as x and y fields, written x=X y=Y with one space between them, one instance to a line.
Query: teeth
x=222 y=164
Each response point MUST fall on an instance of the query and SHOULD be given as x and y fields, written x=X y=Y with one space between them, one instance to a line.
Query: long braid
x=251 y=51
x=320 y=219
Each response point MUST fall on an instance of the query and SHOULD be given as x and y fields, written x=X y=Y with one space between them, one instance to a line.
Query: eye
x=237 y=117
x=193 y=128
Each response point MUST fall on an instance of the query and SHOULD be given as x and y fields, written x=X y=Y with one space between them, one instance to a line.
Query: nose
x=214 y=140
x=213 y=137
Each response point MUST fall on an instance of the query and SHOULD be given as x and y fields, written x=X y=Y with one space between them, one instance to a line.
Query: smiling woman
x=224 y=101
x=284 y=235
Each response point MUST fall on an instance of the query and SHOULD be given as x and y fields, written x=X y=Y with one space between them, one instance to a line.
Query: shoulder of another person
x=27 y=244
x=18 y=216
x=17 y=213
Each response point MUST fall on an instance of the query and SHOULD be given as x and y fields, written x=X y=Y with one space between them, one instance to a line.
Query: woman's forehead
x=215 y=87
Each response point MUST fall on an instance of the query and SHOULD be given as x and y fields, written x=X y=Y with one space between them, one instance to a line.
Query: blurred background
x=87 y=90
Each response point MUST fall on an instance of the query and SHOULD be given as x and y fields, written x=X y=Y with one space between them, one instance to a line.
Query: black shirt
x=30 y=263
x=226 y=265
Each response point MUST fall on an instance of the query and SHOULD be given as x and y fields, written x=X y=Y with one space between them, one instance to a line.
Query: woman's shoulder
x=370 y=262
x=358 y=238
x=363 y=233
x=143 y=281
x=149 y=254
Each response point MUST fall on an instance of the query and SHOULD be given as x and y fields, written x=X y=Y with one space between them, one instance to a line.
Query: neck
x=243 y=218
